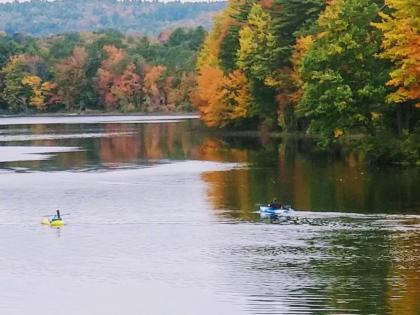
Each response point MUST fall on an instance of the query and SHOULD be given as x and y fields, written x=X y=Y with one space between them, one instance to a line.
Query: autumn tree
x=257 y=37
x=343 y=80
x=226 y=61
x=303 y=44
x=401 y=45
x=24 y=89
x=236 y=96
x=118 y=81
x=258 y=45
x=109 y=69
x=14 y=92
x=293 y=19
x=39 y=91
x=178 y=91
x=70 y=76
x=207 y=96
x=153 y=88
x=127 y=89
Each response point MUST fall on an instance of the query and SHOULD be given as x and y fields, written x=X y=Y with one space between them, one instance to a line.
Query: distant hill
x=43 y=18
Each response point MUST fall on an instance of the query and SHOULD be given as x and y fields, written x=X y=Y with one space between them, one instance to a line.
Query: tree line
x=129 y=16
x=102 y=70
x=342 y=70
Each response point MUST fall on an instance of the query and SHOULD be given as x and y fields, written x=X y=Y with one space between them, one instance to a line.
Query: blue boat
x=283 y=210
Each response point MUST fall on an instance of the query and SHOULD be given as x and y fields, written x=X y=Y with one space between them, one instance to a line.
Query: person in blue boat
x=274 y=204
x=56 y=216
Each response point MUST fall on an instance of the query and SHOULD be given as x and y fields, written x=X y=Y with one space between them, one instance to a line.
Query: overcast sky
x=4 y=1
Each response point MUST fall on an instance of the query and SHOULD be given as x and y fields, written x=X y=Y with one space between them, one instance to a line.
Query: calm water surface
x=162 y=220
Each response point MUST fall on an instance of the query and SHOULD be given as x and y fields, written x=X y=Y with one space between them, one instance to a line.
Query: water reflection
x=341 y=266
x=206 y=231
x=403 y=276
x=357 y=270
x=289 y=169
x=352 y=270
x=120 y=144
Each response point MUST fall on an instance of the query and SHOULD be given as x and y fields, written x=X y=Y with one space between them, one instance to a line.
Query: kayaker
x=274 y=204
x=56 y=216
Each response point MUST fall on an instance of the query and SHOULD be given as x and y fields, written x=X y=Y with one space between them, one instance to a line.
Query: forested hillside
x=334 y=69
x=106 y=71
x=41 y=18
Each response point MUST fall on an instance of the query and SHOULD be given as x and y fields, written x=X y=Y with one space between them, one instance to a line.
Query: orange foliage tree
x=118 y=84
x=106 y=75
x=127 y=89
x=207 y=96
x=222 y=98
x=153 y=87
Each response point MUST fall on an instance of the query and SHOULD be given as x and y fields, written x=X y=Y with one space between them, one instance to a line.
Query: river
x=161 y=219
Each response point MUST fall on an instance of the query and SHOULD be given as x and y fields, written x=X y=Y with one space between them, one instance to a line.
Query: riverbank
x=100 y=113
x=379 y=150
x=93 y=119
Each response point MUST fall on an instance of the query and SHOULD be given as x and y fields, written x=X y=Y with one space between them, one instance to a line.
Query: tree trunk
x=399 y=120
x=407 y=118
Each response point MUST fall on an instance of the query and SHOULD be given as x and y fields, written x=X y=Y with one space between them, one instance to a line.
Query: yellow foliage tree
x=401 y=43
x=39 y=91
x=258 y=44
x=32 y=80
x=301 y=47
x=236 y=95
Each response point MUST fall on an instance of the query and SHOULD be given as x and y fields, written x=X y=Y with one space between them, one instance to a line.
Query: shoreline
x=99 y=114
x=190 y=115
x=259 y=134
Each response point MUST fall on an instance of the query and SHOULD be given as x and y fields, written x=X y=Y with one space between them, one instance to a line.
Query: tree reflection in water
x=289 y=169
x=363 y=265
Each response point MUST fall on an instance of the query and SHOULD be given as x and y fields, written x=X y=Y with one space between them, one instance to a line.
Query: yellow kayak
x=55 y=223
